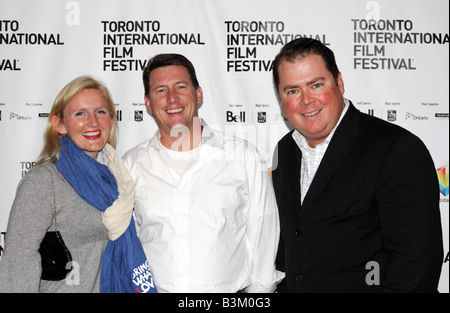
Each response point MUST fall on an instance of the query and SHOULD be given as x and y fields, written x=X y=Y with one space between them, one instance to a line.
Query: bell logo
x=442 y=173
x=236 y=118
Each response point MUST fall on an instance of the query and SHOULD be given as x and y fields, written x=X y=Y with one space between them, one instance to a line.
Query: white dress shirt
x=211 y=224
x=311 y=157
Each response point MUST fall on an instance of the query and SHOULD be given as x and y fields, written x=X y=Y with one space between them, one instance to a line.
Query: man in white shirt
x=205 y=204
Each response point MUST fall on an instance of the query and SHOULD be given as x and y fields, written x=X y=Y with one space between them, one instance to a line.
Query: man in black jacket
x=358 y=197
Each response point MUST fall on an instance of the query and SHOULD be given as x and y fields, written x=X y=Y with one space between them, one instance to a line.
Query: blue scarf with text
x=124 y=267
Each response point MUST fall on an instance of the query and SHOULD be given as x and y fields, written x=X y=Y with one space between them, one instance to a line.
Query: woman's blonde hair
x=50 y=152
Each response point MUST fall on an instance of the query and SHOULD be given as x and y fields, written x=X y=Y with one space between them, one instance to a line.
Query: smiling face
x=310 y=97
x=87 y=121
x=173 y=100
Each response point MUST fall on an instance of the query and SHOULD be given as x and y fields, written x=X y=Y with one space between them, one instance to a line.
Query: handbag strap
x=54 y=197
x=54 y=202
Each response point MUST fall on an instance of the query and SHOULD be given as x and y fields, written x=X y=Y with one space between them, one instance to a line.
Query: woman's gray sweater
x=31 y=215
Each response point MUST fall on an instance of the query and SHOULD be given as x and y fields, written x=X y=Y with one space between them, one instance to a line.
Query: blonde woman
x=80 y=174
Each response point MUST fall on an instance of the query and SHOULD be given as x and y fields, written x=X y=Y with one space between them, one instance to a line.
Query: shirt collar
x=301 y=140
x=208 y=137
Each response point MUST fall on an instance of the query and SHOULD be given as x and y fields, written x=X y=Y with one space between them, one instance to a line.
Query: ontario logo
x=443 y=179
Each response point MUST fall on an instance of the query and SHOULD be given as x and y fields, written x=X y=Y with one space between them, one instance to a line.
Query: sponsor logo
x=138 y=116
x=262 y=117
x=119 y=115
x=442 y=173
x=236 y=118
x=16 y=116
x=441 y=116
x=415 y=117
x=391 y=115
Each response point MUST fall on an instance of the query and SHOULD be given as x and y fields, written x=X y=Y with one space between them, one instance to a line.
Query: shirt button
x=299 y=278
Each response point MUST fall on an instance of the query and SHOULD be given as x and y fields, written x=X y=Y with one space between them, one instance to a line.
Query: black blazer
x=375 y=197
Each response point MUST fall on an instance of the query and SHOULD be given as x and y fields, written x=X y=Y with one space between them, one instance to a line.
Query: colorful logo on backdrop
x=443 y=179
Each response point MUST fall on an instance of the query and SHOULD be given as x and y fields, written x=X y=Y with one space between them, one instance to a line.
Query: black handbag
x=54 y=253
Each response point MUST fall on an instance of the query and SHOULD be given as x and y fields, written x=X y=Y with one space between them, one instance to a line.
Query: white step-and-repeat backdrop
x=393 y=54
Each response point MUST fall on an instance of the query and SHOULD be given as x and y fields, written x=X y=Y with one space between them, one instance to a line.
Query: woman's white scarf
x=117 y=217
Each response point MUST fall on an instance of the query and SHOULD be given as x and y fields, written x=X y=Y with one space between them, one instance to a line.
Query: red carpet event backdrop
x=393 y=55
